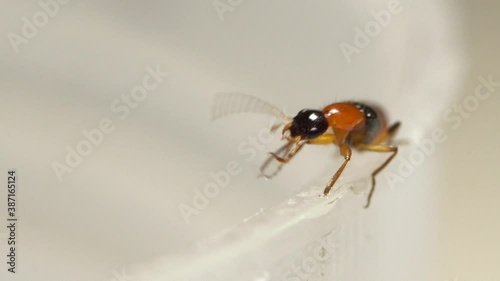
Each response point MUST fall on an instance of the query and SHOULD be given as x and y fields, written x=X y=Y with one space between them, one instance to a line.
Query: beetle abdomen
x=373 y=124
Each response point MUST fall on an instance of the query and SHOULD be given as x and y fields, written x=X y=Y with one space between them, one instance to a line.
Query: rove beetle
x=344 y=124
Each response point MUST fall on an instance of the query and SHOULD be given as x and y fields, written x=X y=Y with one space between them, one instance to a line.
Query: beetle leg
x=289 y=156
x=388 y=134
x=288 y=150
x=393 y=129
x=346 y=152
x=378 y=148
x=323 y=139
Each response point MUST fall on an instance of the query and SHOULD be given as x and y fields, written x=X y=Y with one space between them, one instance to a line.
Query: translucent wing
x=233 y=103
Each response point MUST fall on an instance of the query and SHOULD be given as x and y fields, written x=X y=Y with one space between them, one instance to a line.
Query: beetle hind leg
x=378 y=148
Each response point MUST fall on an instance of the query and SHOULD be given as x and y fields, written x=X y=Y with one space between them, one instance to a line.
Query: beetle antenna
x=234 y=103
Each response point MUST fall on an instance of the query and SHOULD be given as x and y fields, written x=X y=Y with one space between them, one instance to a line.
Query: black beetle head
x=308 y=124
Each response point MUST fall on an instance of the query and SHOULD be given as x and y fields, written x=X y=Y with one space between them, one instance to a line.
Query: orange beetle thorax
x=343 y=118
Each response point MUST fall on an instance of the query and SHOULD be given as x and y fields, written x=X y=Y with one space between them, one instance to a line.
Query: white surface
x=120 y=207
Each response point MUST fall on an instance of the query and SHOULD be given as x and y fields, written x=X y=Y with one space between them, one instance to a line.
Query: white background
x=120 y=206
